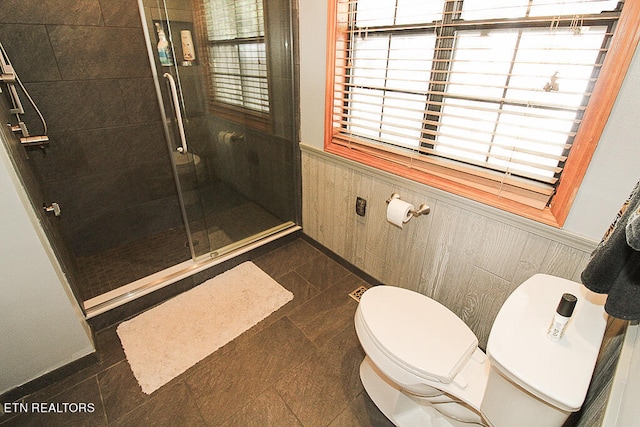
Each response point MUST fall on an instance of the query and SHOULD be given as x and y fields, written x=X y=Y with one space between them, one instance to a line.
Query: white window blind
x=237 y=55
x=487 y=94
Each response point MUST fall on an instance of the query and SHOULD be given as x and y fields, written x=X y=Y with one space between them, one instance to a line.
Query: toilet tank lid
x=557 y=372
x=416 y=332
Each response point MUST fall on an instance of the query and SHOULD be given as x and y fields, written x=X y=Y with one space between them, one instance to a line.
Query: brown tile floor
x=299 y=367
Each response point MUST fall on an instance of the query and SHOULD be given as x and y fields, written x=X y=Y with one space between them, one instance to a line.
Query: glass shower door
x=179 y=113
x=226 y=93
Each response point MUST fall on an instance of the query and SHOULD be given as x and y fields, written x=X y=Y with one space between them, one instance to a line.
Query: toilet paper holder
x=423 y=209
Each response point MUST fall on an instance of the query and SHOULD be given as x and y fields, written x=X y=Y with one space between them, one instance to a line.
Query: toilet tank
x=534 y=380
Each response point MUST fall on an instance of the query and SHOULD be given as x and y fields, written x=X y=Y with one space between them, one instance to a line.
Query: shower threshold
x=146 y=285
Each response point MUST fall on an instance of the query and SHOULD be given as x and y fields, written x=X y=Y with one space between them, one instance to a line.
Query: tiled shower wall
x=85 y=64
x=264 y=167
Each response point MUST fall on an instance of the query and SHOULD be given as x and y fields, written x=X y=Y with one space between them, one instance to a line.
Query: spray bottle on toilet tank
x=561 y=317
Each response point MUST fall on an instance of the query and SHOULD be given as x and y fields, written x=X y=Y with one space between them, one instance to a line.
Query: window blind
x=236 y=52
x=486 y=94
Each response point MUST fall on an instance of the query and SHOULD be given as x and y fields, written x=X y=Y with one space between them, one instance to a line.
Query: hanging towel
x=633 y=227
x=614 y=267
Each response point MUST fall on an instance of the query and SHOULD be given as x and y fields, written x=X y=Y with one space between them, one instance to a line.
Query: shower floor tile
x=105 y=271
x=228 y=217
x=298 y=367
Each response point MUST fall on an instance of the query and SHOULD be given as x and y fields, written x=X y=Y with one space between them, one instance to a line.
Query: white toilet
x=423 y=366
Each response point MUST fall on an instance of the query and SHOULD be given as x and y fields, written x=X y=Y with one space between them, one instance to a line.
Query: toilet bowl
x=423 y=365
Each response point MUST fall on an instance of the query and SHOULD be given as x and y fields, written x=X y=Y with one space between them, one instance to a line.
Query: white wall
x=612 y=173
x=313 y=42
x=41 y=325
x=614 y=169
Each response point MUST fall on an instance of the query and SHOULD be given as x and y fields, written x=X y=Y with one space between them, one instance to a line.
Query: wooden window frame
x=619 y=57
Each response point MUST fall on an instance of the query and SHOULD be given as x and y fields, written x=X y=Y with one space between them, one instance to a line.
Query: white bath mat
x=165 y=341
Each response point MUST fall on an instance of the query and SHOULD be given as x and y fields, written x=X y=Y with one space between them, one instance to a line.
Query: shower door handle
x=176 y=107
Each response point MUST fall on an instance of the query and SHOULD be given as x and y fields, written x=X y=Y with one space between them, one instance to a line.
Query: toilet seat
x=417 y=333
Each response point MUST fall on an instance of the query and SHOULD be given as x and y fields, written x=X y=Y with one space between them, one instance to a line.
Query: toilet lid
x=416 y=332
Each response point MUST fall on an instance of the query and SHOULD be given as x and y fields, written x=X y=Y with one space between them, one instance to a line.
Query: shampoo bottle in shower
x=164 y=53
x=188 y=52
x=561 y=316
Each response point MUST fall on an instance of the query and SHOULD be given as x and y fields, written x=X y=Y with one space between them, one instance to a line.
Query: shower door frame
x=182 y=145
x=165 y=119
x=198 y=263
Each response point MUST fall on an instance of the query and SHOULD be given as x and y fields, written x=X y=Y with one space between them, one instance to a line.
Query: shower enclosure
x=171 y=148
x=223 y=73
x=224 y=76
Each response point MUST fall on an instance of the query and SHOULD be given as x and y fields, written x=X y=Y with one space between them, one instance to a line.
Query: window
x=237 y=55
x=483 y=99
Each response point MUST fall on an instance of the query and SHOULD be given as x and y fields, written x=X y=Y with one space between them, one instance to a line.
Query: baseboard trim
x=49 y=378
x=343 y=262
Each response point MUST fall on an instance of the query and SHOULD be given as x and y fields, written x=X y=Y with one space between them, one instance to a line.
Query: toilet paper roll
x=225 y=137
x=399 y=212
